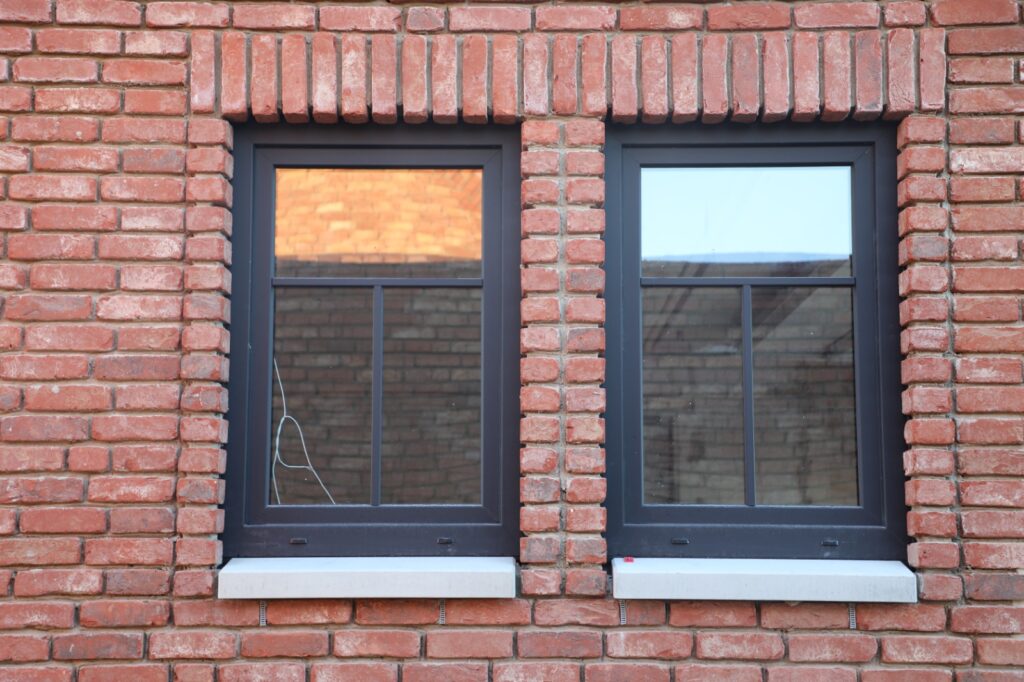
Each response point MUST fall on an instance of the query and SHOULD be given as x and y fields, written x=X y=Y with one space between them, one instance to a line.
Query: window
x=374 y=353
x=753 y=343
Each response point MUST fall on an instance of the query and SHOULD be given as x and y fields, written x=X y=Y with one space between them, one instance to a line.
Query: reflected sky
x=746 y=215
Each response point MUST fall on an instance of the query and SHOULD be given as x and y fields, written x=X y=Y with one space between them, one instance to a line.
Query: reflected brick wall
x=394 y=223
x=804 y=428
x=372 y=217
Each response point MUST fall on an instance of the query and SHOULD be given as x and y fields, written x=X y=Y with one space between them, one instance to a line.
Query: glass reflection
x=321 y=406
x=431 y=445
x=692 y=396
x=805 y=426
x=750 y=221
x=395 y=222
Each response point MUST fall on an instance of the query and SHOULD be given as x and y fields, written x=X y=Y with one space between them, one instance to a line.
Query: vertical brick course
x=115 y=170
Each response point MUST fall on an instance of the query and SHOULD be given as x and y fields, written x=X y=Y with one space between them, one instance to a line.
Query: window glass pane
x=804 y=403
x=754 y=221
x=320 y=444
x=431 y=444
x=692 y=396
x=394 y=222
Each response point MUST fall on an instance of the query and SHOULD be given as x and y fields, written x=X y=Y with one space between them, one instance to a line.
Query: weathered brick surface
x=115 y=155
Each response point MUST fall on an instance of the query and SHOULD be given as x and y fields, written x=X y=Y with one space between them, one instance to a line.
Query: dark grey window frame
x=255 y=528
x=876 y=529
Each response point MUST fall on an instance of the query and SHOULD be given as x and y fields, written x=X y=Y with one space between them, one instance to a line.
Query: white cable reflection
x=278 y=460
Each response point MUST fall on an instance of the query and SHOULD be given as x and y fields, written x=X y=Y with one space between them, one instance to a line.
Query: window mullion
x=377 y=395
x=749 y=464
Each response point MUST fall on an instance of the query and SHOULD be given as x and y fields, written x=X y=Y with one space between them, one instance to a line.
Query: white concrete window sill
x=368 y=577
x=791 y=580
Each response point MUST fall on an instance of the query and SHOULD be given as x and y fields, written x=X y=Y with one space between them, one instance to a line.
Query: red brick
x=837 y=15
x=78 y=41
x=15 y=39
x=160 y=102
x=804 y=616
x=285 y=644
x=839 y=648
x=22 y=648
x=981 y=70
x=922 y=617
x=356 y=672
x=424 y=19
x=68 y=520
x=109 y=12
x=752 y=646
x=489 y=18
x=53 y=581
x=353 y=79
x=951 y=12
x=309 y=612
x=26 y=11
x=660 y=645
x=979 y=461
x=368 y=19
x=272 y=16
x=806 y=79
x=715 y=96
x=186 y=14
x=264 y=78
x=985 y=586
x=377 y=643
x=192 y=644
x=36 y=615
x=55 y=70
x=262 y=672
x=718 y=673
x=589 y=582
x=993 y=555
x=79 y=647
x=905 y=13
x=156 y=43
x=144 y=72
x=469 y=644
x=137 y=582
x=487 y=612
x=752 y=16
x=567 y=18
x=549 y=672
x=987 y=619
x=559 y=644
x=1001 y=652
x=121 y=613
x=397 y=612
x=746 y=85
x=985 y=40
x=449 y=672
x=907 y=649
x=564 y=86
x=985 y=308
x=811 y=674
x=712 y=614
x=868 y=75
x=837 y=74
x=991 y=431
x=294 y=91
x=598 y=612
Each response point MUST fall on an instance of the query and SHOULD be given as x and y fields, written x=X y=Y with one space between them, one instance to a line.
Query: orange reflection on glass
x=394 y=222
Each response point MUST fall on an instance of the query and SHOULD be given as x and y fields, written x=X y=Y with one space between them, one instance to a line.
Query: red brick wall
x=115 y=154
